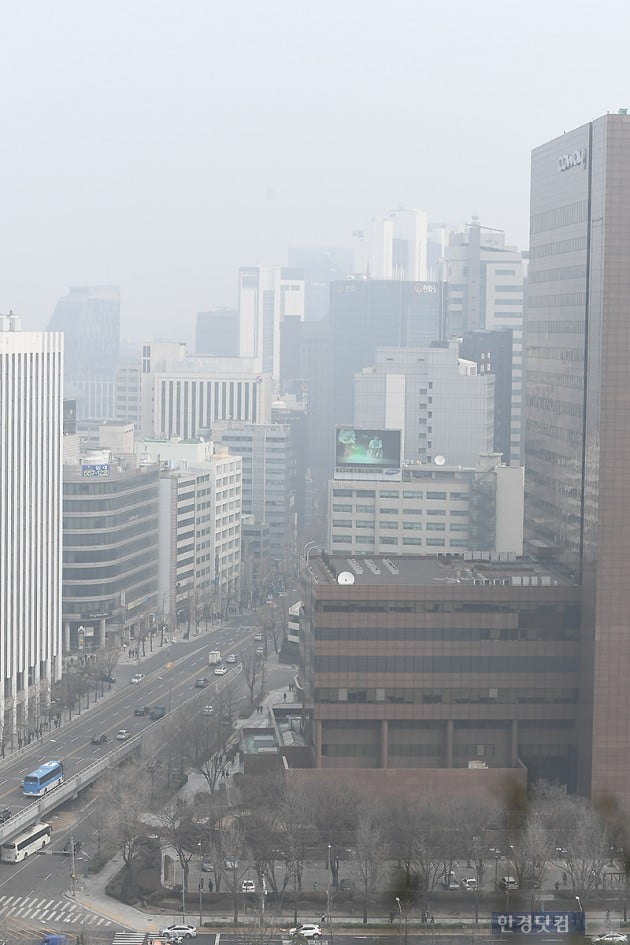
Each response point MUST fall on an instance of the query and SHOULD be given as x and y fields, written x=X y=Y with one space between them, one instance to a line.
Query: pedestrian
x=322 y=920
x=391 y=918
x=607 y=915
x=564 y=879
x=432 y=919
x=285 y=697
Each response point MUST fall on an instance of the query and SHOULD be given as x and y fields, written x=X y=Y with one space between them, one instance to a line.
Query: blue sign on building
x=538 y=923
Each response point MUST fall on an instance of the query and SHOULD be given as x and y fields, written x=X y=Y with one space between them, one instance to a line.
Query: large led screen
x=378 y=448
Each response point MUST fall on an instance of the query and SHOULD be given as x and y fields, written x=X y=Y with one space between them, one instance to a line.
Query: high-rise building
x=394 y=247
x=367 y=314
x=492 y=352
x=89 y=317
x=217 y=333
x=31 y=424
x=485 y=292
x=578 y=416
x=440 y=401
x=266 y=296
x=321 y=266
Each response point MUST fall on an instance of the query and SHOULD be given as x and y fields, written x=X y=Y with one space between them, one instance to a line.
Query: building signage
x=573 y=159
x=538 y=923
x=95 y=471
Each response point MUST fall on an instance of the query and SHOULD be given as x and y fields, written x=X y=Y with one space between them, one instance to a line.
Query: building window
x=436 y=526
x=436 y=495
x=412 y=541
x=436 y=542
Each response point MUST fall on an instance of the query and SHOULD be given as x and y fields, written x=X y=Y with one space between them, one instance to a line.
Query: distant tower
x=31 y=422
x=89 y=317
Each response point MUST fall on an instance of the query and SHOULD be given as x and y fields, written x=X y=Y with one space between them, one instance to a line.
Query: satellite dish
x=440 y=460
x=345 y=577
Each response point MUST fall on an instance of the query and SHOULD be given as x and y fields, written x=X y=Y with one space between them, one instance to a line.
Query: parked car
x=561 y=851
x=5 y=813
x=187 y=931
x=99 y=739
x=157 y=712
x=248 y=886
x=220 y=671
x=469 y=883
x=122 y=735
x=142 y=710
x=208 y=710
x=207 y=866
x=137 y=677
x=308 y=930
x=231 y=864
x=201 y=683
x=508 y=882
x=107 y=677
x=232 y=658
x=610 y=938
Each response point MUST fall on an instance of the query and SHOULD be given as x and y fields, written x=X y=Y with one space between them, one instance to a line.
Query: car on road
x=232 y=658
x=231 y=864
x=307 y=930
x=469 y=883
x=5 y=813
x=99 y=739
x=157 y=712
x=122 y=735
x=142 y=710
x=258 y=637
x=107 y=677
x=260 y=651
x=248 y=886
x=508 y=882
x=561 y=851
x=220 y=671
x=137 y=677
x=610 y=938
x=186 y=931
x=201 y=683
x=208 y=710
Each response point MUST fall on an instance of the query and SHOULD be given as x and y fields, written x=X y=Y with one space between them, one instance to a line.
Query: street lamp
x=399 y=920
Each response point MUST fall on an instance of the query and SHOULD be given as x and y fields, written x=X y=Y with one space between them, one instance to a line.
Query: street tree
x=368 y=854
x=124 y=794
x=530 y=852
x=587 y=849
x=180 y=831
x=252 y=666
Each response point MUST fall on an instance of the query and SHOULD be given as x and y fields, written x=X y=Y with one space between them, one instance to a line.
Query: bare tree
x=587 y=850
x=530 y=852
x=124 y=791
x=252 y=671
x=234 y=868
x=368 y=854
x=179 y=831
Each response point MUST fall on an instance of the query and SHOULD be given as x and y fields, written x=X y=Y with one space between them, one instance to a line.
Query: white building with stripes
x=31 y=408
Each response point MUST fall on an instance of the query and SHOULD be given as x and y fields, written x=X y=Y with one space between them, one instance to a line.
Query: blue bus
x=43 y=779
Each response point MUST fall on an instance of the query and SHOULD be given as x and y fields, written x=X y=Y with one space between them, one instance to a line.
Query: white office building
x=434 y=509
x=183 y=396
x=31 y=423
x=485 y=291
x=394 y=247
x=439 y=401
x=199 y=528
x=266 y=296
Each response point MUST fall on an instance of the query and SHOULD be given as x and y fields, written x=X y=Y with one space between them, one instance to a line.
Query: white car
x=260 y=651
x=220 y=671
x=306 y=931
x=232 y=658
x=208 y=710
x=469 y=883
x=248 y=886
x=186 y=931
x=258 y=637
x=122 y=734
x=138 y=677
x=610 y=938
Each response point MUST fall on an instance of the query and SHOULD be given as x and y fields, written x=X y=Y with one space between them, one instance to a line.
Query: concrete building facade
x=31 y=423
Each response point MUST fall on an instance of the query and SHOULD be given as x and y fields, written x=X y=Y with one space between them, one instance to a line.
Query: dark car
x=201 y=683
x=5 y=813
x=99 y=739
x=157 y=712
x=106 y=677
x=142 y=710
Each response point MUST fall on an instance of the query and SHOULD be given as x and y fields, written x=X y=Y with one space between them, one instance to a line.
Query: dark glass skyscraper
x=578 y=416
x=89 y=317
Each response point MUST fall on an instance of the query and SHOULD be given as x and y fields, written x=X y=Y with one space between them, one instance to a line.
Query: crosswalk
x=57 y=911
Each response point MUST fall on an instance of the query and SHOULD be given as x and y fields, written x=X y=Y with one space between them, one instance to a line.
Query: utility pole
x=73 y=874
x=200 y=902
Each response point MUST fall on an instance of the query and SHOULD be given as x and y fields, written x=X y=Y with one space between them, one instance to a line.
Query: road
x=32 y=893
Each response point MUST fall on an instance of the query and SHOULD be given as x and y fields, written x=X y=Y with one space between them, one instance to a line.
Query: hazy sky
x=159 y=145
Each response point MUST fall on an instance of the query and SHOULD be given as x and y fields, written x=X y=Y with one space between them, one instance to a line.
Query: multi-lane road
x=33 y=893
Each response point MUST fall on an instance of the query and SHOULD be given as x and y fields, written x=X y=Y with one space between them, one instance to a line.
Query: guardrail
x=71 y=787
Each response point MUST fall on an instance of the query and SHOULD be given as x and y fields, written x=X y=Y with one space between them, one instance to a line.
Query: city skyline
x=147 y=121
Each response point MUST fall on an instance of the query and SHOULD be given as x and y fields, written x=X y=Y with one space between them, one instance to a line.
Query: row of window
x=514 y=695
x=567 y=613
x=406 y=526
x=395 y=494
x=445 y=663
x=446 y=634
x=388 y=540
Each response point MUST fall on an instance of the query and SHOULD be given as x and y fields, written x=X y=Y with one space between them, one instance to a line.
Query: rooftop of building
x=470 y=568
